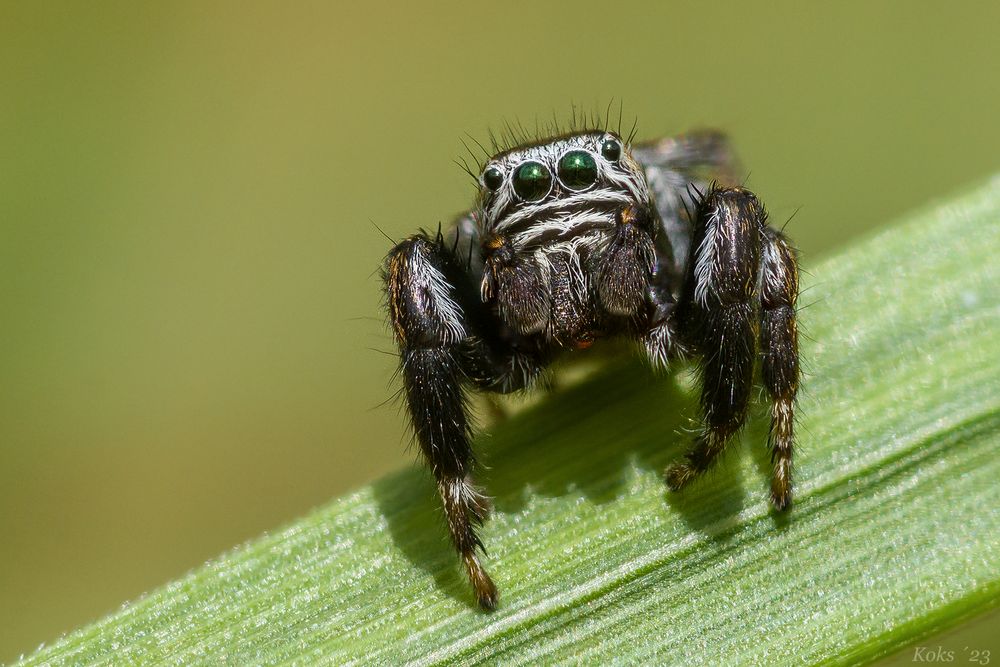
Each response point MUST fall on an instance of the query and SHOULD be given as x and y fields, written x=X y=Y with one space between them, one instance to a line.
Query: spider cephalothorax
x=581 y=237
x=548 y=212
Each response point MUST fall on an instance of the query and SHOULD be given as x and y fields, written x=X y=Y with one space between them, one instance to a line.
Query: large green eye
x=532 y=181
x=611 y=149
x=578 y=170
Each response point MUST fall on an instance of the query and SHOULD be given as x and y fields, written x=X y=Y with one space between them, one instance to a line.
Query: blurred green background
x=189 y=299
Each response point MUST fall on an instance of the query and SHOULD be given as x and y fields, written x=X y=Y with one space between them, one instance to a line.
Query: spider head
x=556 y=189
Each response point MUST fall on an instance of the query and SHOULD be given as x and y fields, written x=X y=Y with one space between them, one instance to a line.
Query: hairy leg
x=429 y=327
x=700 y=155
x=780 y=356
x=718 y=316
x=448 y=338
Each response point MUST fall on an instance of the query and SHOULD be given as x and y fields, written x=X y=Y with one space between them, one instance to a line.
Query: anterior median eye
x=577 y=170
x=532 y=181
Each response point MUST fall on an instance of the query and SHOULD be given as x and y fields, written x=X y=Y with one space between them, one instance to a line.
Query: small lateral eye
x=532 y=181
x=578 y=170
x=611 y=149
x=492 y=179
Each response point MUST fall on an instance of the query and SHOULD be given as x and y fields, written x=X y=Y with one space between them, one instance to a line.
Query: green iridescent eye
x=577 y=170
x=532 y=181
x=611 y=149
x=493 y=178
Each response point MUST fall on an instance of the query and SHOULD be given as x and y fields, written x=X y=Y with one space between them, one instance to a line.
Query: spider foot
x=486 y=591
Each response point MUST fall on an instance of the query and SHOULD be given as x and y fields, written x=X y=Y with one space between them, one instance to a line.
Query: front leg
x=429 y=327
x=718 y=318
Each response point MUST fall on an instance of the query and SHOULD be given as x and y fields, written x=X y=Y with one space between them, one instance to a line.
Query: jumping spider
x=580 y=237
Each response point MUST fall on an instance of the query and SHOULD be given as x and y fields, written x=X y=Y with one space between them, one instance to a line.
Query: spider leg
x=429 y=328
x=661 y=339
x=780 y=355
x=448 y=338
x=718 y=315
x=700 y=155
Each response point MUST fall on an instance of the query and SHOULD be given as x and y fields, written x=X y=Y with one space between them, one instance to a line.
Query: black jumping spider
x=580 y=237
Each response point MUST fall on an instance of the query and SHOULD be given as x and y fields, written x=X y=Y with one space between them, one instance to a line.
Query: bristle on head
x=514 y=134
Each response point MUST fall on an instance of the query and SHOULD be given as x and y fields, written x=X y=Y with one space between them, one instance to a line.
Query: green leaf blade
x=895 y=531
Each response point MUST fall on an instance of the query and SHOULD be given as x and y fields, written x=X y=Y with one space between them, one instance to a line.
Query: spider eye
x=532 y=181
x=578 y=170
x=492 y=179
x=611 y=149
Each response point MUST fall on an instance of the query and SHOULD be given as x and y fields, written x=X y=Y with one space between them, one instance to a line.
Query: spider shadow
x=572 y=449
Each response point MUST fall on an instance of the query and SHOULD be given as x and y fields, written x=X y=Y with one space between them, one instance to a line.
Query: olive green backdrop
x=191 y=342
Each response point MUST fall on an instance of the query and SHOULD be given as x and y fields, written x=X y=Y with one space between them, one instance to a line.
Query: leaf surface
x=895 y=531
